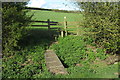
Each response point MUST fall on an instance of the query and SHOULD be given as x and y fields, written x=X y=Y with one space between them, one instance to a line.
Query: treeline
x=103 y=17
x=56 y=10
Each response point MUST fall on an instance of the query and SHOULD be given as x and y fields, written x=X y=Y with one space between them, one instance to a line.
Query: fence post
x=65 y=26
x=62 y=34
x=77 y=30
x=48 y=24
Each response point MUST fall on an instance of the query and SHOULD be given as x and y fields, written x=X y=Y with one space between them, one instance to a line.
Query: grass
x=73 y=53
x=29 y=60
x=57 y=17
x=97 y=72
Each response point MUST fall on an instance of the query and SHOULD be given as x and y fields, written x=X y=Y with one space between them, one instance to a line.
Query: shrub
x=104 y=21
x=24 y=64
x=14 y=21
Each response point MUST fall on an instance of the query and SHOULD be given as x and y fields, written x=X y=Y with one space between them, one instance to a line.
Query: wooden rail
x=67 y=28
x=44 y=21
x=39 y=25
x=64 y=30
x=49 y=23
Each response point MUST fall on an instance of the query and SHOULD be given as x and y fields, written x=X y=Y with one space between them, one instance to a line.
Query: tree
x=14 y=20
x=104 y=19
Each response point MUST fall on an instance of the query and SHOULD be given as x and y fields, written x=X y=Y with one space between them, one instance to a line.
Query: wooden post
x=65 y=26
x=77 y=30
x=62 y=34
x=48 y=24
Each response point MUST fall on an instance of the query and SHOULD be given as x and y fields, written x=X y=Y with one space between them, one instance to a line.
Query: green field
x=55 y=16
x=73 y=19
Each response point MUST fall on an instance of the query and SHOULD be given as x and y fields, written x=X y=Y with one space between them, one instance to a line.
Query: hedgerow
x=14 y=21
x=103 y=19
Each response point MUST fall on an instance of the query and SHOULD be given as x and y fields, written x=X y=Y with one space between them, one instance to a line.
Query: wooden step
x=53 y=63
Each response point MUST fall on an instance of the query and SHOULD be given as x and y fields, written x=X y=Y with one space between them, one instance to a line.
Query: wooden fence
x=49 y=23
x=65 y=31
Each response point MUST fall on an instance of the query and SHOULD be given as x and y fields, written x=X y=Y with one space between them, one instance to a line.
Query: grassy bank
x=82 y=61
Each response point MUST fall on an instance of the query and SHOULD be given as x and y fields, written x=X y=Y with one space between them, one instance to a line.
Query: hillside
x=54 y=16
x=56 y=10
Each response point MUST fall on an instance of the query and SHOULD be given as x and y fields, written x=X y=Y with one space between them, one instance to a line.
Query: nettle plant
x=70 y=49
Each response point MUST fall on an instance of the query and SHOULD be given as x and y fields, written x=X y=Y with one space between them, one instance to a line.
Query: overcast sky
x=53 y=4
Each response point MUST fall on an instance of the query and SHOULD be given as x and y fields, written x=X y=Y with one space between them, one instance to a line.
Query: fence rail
x=45 y=21
x=67 y=28
x=64 y=30
x=39 y=25
x=49 y=23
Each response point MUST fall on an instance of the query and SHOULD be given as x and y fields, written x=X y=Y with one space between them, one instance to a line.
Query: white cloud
x=61 y=6
x=36 y=3
x=52 y=4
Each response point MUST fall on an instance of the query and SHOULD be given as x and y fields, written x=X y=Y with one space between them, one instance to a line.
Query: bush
x=24 y=64
x=14 y=21
x=104 y=21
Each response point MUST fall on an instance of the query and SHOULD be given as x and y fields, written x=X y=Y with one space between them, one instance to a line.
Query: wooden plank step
x=44 y=21
x=53 y=63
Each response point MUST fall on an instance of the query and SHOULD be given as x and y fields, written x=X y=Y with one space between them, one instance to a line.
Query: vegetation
x=29 y=61
x=69 y=51
x=24 y=54
x=82 y=61
x=54 y=16
x=104 y=22
x=14 y=21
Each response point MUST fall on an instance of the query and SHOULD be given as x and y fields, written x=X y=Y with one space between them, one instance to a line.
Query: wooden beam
x=62 y=34
x=44 y=21
x=48 y=24
x=40 y=25
x=53 y=24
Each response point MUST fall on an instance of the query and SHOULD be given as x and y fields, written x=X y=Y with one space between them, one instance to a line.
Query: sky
x=53 y=4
